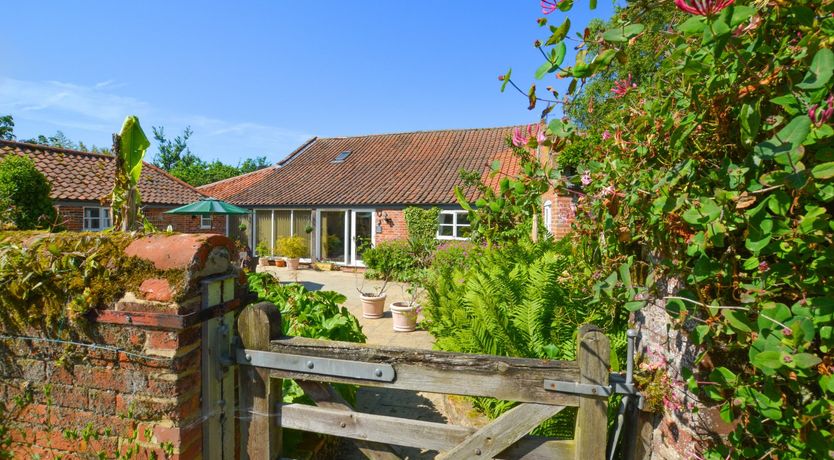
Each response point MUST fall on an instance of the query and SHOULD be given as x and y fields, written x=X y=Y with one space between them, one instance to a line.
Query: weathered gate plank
x=503 y=432
x=325 y=396
x=411 y=433
x=259 y=425
x=593 y=357
x=515 y=379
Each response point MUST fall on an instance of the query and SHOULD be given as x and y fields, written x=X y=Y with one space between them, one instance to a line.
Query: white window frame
x=203 y=225
x=455 y=225
x=547 y=215
x=104 y=217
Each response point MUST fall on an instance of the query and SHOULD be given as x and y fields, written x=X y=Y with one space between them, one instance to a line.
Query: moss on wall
x=49 y=280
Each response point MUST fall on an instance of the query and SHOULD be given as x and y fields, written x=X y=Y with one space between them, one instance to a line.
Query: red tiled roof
x=85 y=176
x=394 y=169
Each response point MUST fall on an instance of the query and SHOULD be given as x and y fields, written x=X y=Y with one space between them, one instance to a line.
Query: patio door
x=362 y=234
x=345 y=234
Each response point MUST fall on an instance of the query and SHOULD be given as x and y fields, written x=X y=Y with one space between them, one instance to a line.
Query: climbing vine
x=715 y=167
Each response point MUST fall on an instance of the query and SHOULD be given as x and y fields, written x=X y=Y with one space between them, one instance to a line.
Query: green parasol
x=207 y=207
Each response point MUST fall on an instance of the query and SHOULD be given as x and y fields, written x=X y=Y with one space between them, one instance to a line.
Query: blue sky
x=259 y=77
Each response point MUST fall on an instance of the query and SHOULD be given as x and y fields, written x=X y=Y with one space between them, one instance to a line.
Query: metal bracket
x=578 y=388
x=319 y=366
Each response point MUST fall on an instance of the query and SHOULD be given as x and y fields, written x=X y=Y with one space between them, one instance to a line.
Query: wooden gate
x=542 y=387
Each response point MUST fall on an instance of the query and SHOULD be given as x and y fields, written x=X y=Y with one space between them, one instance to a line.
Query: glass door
x=362 y=227
x=333 y=239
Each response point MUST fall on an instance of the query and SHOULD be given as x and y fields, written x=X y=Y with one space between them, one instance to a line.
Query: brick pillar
x=141 y=387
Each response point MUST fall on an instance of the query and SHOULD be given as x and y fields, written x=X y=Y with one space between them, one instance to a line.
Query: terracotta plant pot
x=373 y=306
x=292 y=264
x=405 y=316
x=263 y=261
x=280 y=262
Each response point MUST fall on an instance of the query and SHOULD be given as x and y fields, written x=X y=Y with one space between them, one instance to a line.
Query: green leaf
x=506 y=79
x=723 y=376
x=559 y=55
x=634 y=306
x=786 y=140
x=738 y=320
x=821 y=70
x=623 y=34
x=806 y=360
x=823 y=171
x=593 y=5
x=133 y=145
x=750 y=121
x=559 y=33
x=770 y=360
x=706 y=211
x=604 y=58
x=693 y=25
x=543 y=70
x=582 y=71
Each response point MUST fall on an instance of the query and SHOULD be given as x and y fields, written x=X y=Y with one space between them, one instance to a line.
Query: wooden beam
x=260 y=424
x=503 y=432
x=325 y=396
x=593 y=356
x=514 y=379
x=411 y=433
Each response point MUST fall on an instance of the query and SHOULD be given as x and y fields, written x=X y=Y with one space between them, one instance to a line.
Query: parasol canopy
x=208 y=206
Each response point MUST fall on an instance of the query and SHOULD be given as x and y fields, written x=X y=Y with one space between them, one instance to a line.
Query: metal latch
x=320 y=366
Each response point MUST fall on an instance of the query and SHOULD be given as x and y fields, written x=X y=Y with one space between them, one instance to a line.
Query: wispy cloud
x=84 y=111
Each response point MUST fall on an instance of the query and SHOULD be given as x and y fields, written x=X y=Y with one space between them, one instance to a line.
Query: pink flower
x=606 y=135
x=621 y=87
x=787 y=332
x=818 y=115
x=519 y=140
x=703 y=7
x=763 y=266
x=586 y=178
x=541 y=136
x=549 y=6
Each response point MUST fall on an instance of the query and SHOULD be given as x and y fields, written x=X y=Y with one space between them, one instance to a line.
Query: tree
x=171 y=152
x=24 y=194
x=7 y=128
x=175 y=157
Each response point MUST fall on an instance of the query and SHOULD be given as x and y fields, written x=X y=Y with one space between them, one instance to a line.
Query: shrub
x=24 y=194
x=422 y=226
x=291 y=246
x=521 y=300
x=391 y=260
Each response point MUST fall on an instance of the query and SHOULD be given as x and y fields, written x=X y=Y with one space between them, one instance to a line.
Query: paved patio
x=379 y=331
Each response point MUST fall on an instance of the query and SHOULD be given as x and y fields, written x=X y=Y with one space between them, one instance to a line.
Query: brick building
x=340 y=193
x=81 y=182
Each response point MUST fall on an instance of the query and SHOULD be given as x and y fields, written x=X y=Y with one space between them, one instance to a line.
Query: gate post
x=259 y=393
x=593 y=356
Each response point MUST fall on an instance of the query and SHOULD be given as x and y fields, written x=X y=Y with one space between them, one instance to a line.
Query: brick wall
x=142 y=392
x=72 y=218
x=563 y=213
x=393 y=225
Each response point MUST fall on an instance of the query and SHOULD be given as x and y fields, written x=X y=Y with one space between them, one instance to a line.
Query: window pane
x=463 y=218
x=446 y=219
x=446 y=230
x=95 y=223
x=91 y=212
x=464 y=231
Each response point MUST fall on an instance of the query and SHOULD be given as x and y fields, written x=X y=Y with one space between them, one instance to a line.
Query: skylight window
x=342 y=156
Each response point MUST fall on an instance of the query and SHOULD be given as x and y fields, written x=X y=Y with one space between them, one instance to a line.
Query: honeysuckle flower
x=703 y=7
x=821 y=115
x=541 y=136
x=586 y=178
x=519 y=139
x=522 y=138
x=549 y=6
x=621 y=87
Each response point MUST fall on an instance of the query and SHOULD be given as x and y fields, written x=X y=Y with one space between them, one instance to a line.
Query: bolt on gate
x=542 y=387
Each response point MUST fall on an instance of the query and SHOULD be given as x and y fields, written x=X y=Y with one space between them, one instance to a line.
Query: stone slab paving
x=381 y=401
x=379 y=331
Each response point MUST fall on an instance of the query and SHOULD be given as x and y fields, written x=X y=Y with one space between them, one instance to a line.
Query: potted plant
x=263 y=253
x=373 y=300
x=292 y=248
x=404 y=313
